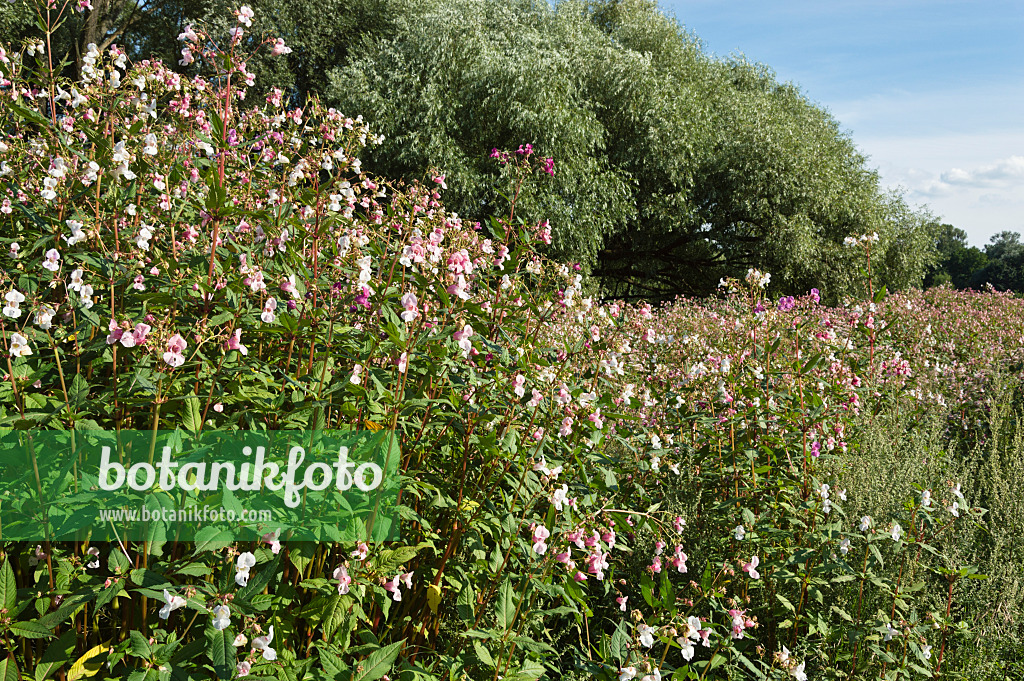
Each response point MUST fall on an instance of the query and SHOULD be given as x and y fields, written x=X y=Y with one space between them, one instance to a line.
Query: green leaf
x=8 y=587
x=505 y=607
x=8 y=669
x=140 y=646
x=379 y=663
x=117 y=562
x=192 y=414
x=60 y=653
x=618 y=646
x=481 y=652
x=221 y=651
x=466 y=602
x=29 y=630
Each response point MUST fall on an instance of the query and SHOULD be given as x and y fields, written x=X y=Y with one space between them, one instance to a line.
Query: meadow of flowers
x=590 y=489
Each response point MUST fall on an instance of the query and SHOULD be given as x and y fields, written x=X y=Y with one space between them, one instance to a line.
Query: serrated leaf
x=57 y=655
x=618 y=646
x=221 y=652
x=9 y=669
x=8 y=587
x=29 y=630
x=192 y=414
x=465 y=605
x=505 y=606
x=379 y=663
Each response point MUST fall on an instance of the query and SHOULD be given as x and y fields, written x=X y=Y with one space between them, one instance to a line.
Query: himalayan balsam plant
x=589 y=488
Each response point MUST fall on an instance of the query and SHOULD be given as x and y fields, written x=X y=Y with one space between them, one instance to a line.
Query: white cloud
x=1007 y=172
x=974 y=181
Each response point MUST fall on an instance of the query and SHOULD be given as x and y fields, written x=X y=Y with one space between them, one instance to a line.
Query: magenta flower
x=175 y=347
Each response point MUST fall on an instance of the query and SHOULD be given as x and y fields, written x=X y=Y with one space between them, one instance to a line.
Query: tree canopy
x=673 y=168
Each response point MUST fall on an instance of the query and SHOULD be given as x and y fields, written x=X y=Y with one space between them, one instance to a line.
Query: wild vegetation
x=747 y=485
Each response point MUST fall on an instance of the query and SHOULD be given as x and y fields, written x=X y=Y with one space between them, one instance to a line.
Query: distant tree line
x=1000 y=263
x=673 y=168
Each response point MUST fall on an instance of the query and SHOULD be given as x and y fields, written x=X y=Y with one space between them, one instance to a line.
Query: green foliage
x=957 y=263
x=673 y=169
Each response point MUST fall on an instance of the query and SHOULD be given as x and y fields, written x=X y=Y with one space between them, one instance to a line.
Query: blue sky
x=932 y=91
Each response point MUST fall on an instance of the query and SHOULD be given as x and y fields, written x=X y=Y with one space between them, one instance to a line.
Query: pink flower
x=280 y=48
x=679 y=560
x=115 y=332
x=271 y=539
x=139 y=334
x=391 y=586
x=549 y=166
x=411 y=306
x=361 y=552
x=621 y=600
x=518 y=384
x=344 y=581
x=751 y=568
x=566 y=428
x=539 y=535
x=235 y=343
x=462 y=338
x=175 y=346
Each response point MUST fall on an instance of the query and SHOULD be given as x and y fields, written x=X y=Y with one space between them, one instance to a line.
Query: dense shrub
x=589 y=487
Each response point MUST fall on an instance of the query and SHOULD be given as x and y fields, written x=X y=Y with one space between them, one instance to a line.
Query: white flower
x=687 y=647
x=739 y=533
x=77 y=233
x=797 y=672
x=559 y=497
x=865 y=523
x=956 y=491
x=244 y=562
x=95 y=562
x=76 y=280
x=926 y=498
x=240 y=641
x=896 y=531
x=172 y=604
x=245 y=15
x=954 y=509
x=142 y=240
x=646 y=633
x=19 y=346
x=149 y=148
x=262 y=643
x=52 y=260
x=44 y=317
x=221 y=617
x=926 y=651
x=844 y=545
x=13 y=298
